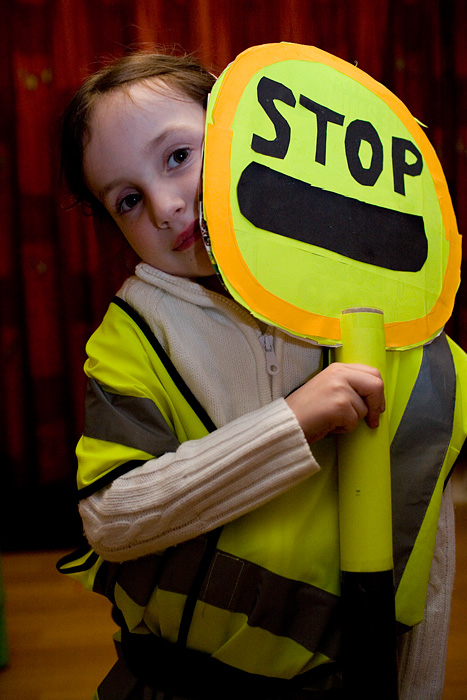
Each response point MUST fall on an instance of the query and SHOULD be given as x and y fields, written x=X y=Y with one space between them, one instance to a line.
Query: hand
x=337 y=399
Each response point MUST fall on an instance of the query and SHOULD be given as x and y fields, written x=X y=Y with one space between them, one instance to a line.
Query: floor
x=60 y=636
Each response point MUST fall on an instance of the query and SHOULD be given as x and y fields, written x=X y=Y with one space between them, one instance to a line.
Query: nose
x=164 y=204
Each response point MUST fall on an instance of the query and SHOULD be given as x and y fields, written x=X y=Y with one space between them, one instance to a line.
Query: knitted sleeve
x=203 y=484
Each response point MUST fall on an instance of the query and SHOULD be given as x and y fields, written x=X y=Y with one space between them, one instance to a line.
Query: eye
x=178 y=157
x=128 y=202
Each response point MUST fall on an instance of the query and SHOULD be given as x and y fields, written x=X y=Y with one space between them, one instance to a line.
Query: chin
x=204 y=267
x=206 y=272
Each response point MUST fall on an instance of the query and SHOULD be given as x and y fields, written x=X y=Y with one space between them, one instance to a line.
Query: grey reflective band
x=419 y=447
x=272 y=602
x=236 y=585
x=138 y=576
x=127 y=420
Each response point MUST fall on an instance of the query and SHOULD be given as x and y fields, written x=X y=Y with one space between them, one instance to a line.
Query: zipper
x=267 y=341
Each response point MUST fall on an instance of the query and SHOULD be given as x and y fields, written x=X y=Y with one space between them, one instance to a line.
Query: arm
x=203 y=484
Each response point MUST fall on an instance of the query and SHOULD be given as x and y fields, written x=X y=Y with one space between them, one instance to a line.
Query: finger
x=369 y=386
x=367 y=369
x=351 y=414
x=375 y=404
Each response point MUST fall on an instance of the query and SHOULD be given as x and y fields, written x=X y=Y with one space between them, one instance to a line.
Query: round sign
x=321 y=191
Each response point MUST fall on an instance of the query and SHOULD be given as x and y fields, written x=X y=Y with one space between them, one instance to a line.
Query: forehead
x=149 y=100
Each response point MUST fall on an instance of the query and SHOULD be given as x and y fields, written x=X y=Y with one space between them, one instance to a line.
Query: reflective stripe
x=133 y=421
x=419 y=447
x=279 y=605
x=138 y=578
x=270 y=601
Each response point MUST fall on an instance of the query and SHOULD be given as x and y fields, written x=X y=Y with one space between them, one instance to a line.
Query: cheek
x=133 y=238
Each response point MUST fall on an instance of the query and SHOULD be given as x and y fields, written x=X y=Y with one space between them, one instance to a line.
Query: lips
x=187 y=238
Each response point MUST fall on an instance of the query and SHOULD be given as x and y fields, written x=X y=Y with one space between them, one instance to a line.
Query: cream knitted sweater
x=257 y=452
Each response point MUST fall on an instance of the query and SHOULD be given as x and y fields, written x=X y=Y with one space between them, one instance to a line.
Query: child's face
x=143 y=163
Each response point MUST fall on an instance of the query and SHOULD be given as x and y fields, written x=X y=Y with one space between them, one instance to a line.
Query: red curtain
x=56 y=282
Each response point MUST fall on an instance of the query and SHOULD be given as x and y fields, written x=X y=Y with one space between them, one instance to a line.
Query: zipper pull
x=267 y=341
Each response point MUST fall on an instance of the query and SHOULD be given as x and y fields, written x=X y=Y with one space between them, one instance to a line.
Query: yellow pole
x=365 y=522
x=364 y=462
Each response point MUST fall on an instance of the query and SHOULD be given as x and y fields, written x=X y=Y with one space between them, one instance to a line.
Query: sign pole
x=365 y=523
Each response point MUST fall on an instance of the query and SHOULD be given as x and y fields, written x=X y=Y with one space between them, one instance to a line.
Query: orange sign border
x=218 y=214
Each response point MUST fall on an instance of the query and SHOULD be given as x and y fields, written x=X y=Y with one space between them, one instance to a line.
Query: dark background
x=55 y=281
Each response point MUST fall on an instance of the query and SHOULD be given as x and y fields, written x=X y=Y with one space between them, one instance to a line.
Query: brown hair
x=179 y=72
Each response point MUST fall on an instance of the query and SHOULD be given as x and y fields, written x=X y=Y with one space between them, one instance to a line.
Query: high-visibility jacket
x=267 y=598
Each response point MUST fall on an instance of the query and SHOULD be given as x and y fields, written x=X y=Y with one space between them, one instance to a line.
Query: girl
x=208 y=496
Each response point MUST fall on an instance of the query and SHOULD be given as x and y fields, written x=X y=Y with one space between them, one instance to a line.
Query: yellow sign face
x=322 y=192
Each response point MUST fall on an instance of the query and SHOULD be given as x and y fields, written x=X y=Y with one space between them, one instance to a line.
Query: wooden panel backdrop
x=56 y=283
